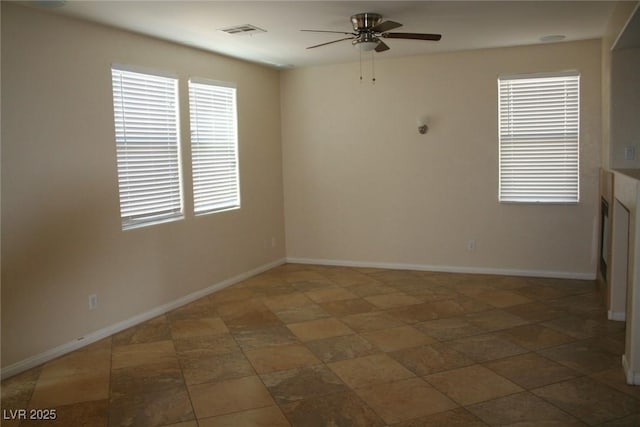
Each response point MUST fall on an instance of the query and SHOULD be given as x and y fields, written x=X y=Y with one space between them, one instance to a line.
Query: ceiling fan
x=368 y=31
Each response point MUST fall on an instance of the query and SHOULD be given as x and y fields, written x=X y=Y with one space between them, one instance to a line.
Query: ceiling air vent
x=242 y=29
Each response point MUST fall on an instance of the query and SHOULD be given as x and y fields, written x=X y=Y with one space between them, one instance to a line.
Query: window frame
x=229 y=135
x=565 y=173
x=172 y=142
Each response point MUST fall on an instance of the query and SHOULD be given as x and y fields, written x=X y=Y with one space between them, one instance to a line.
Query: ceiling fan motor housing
x=365 y=38
x=365 y=21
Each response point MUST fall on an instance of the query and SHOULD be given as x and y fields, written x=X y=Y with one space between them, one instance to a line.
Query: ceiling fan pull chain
x=373 y=69
x=359 y=50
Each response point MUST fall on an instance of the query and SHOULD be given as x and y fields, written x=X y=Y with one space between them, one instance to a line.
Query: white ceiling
x=463 y=25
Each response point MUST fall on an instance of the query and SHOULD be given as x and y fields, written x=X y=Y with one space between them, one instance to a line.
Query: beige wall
x=61 y=234
x=625 y=104
x=362 y=186
x=615 y=24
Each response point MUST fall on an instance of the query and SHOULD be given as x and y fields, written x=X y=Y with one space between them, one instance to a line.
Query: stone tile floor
x=309 y=345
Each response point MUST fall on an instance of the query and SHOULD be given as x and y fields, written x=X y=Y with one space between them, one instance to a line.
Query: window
x=214 y=146
x=148 y=147
x=539 y=138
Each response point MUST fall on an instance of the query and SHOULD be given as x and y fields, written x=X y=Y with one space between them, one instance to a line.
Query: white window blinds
x=214 y=146
x=539 y=128
x=147 y=140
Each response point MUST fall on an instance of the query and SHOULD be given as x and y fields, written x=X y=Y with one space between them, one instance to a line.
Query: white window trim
x=200 y=143
x=135 y=216
x=513 y=131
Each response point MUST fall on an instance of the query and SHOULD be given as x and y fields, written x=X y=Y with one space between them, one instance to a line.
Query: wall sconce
x=422 y=126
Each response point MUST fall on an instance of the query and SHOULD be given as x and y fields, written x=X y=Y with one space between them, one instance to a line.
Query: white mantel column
x=627 y=193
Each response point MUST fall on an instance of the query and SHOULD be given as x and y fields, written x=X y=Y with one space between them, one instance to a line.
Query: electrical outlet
x=630 y=152
x=471 y=245
x=93 y=302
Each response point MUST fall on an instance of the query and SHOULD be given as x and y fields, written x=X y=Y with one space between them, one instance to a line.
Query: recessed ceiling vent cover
x=242 y=29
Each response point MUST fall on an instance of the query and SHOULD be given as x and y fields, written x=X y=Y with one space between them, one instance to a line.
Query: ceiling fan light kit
x=366 y=43
x=366 y=46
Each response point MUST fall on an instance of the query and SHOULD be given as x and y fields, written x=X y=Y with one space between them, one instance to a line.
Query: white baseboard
x=620 y=316
x=68 y=347
x=632 y=377
x=446 y=268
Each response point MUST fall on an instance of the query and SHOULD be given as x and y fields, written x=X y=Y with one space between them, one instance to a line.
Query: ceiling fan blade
x=382 y=46
x=386 y=26
x=334 y=41
x=413 y=36
x=325 y=31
